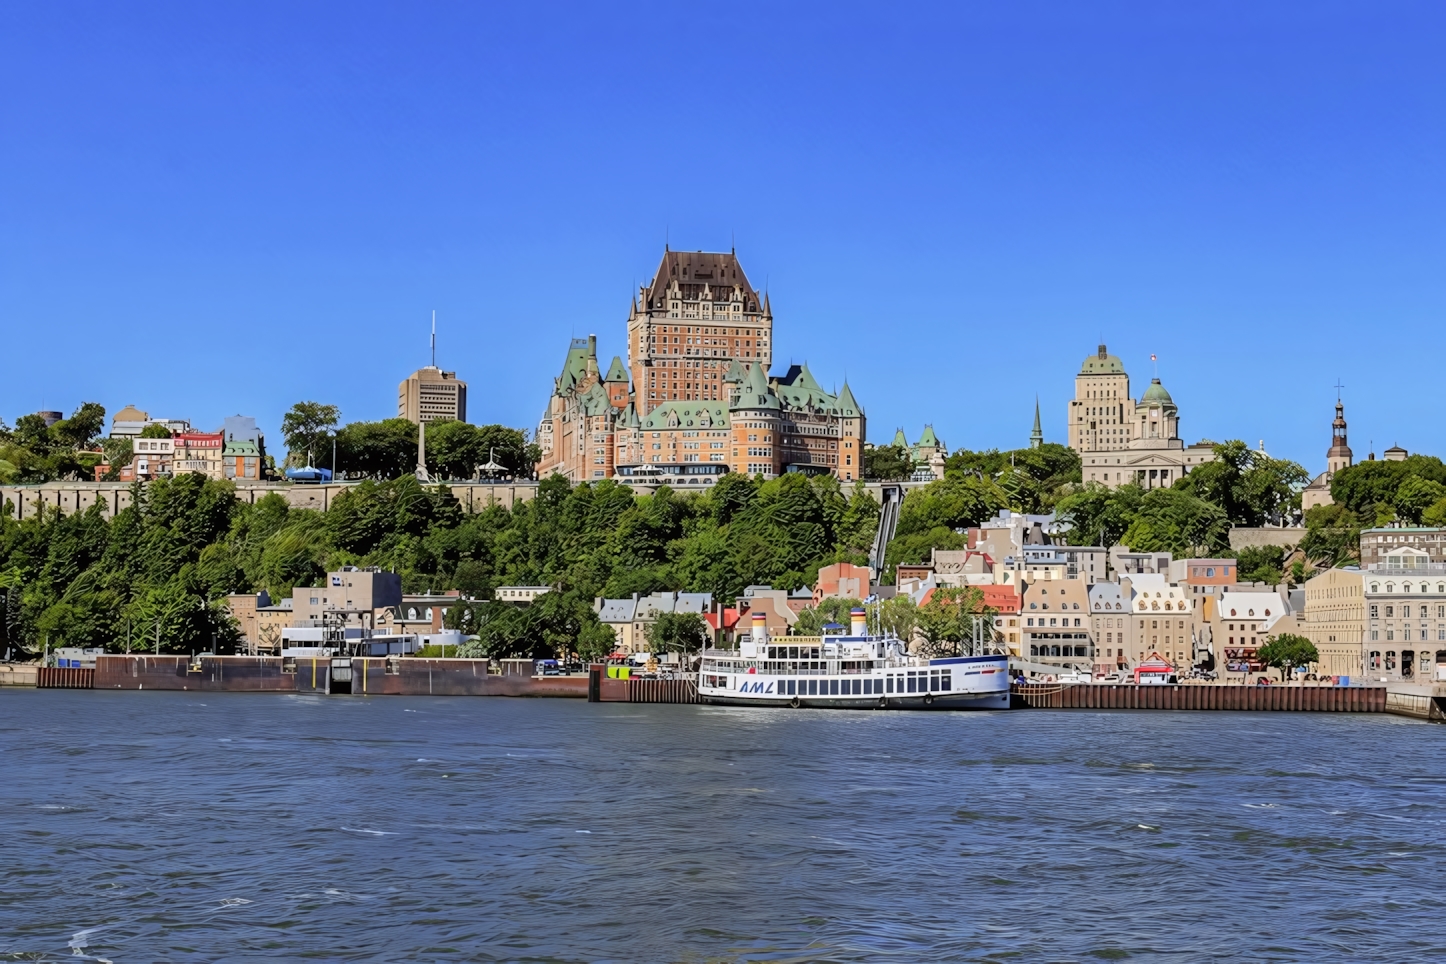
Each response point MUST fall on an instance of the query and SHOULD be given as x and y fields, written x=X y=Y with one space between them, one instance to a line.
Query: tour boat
x=857 y=671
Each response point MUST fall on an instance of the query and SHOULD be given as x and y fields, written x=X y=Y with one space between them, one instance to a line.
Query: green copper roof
x=616 y=371
x=595 y=400
x=1156 y=393
x=574 y=366
x=900 y=440
x=695 y=415
x=1101 y=363
x=755 y=393
x=736 y=372
x=847 y=407
x=928 y=440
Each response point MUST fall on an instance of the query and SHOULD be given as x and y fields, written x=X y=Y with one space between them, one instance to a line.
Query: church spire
x=1036 y=437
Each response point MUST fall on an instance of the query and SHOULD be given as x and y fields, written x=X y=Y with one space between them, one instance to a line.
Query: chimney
x=592 y=354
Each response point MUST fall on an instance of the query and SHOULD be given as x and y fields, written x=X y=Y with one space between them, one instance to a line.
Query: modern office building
x=432 y=395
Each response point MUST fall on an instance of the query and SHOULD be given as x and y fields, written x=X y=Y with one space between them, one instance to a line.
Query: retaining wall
x=1316 y=699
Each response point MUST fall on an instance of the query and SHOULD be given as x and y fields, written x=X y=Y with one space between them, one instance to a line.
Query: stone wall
x=71 y=497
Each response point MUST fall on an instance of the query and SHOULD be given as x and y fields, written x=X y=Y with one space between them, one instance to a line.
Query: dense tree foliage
x=167 y=560
x=388 y=449
x=1287 y=652
x=1033 y=480
x=888 y=463
x=1252 y=488
x=68 y=449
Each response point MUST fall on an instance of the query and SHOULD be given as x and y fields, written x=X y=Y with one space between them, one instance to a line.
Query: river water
x=148 y=827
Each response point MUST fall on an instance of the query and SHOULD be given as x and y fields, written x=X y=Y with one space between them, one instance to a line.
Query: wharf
x=377 y=676
x=414 y=676
x=1200 y=696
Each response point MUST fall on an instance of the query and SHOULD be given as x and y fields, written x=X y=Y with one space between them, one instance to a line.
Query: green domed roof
x=1156 y=393
x=1102 y=363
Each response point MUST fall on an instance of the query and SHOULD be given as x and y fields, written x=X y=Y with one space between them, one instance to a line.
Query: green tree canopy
x=1252 y=488
x=1287 y=652
x=306 y=428
x=888 y=463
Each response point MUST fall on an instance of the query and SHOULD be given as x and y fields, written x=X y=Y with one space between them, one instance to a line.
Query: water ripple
x=560 y=831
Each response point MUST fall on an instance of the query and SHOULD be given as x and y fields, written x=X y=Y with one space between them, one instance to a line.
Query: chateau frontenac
x=696 y=400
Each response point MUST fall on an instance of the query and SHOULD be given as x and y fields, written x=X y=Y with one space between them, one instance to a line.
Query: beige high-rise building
x=1122 y=441
x=432 y=395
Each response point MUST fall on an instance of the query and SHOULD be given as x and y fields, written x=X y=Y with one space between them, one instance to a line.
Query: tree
x=155 y=430
x=1365 y=486
x=1415 y=496
x=82 y=429
x=1252 y=488
x=947 y=620
x=1032 y=479
x=1097 y=515
x=1332 y=535
x=899 y=617
x=306 y=427
x=677 y=633
x=1260 y=564
x=1287 y=652
x=888 y=463
x=813 y=618
x=1170 y=520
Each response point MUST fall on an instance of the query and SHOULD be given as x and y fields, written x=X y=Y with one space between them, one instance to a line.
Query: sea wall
x=1310 y=699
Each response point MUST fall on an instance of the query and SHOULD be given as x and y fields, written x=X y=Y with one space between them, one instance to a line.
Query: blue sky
x=216 y=208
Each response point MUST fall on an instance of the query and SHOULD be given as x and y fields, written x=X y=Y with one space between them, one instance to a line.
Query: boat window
x=912 y=683
x=890 y=684
x=813 y=687
x=858 y=687
x=944 y=681
x=791 y=687
x=868 y=687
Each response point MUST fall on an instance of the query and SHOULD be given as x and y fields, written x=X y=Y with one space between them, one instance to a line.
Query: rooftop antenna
x=434 y=337
x=1156 y=363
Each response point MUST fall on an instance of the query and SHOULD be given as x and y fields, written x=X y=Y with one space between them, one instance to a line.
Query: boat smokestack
x=858 y=623
x=760 y=629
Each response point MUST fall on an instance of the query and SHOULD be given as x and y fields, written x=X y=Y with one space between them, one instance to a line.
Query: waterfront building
x=1334 y=619
x=1243 y=620
x=1123 y=562
x=1057 y=628
x=1007 y=604
x=1123 y=441
x=1338 y=457
x=841 y=580
x=1377 y=544
x=432 y=395
x=698 y=401
x=1405 y=600
x=350 y=597
x=1142 y=613
x=243 y=607
x=1203 y=577
x=630 y=618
